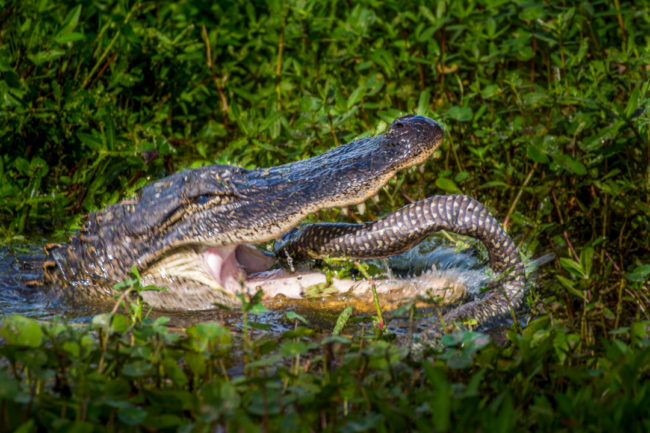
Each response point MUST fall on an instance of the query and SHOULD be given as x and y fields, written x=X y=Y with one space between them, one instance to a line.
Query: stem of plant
x=374 y=294
x=108 y=48
x=506 y=221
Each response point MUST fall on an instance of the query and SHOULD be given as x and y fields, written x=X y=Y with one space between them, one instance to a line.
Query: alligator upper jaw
x=165 y=230
x=227 y=206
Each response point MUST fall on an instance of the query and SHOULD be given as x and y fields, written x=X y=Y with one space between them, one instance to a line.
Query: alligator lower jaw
x=199 y=277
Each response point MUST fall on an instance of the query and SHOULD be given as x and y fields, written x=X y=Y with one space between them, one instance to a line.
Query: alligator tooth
x=345 y=211
x=421 y=168
x=375 y=198
x=362 y=208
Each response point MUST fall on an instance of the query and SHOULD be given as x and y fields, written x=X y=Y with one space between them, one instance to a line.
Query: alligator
x=193 y=232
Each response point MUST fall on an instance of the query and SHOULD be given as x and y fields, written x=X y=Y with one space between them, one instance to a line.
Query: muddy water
x=20 y=264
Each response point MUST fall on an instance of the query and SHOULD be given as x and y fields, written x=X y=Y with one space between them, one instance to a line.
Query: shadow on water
x=21 y=264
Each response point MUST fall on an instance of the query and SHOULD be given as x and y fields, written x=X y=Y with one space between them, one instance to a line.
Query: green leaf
x=640 y=331
x=586 y=260
x=570 y=164
x=342 y=320
x=490 y=90
x=21 y=331
x=531 y=13
x=292 y=348
x=441 y=400
x=69 y=37
x=206 y=333
x=9 y=387
x=639 y=274
x=259 y=325
x=336 y=339
x=572 y=266
x=109 y=135
x=270 y=120
x=457 y=359
x=22 y=165
x=91 y=140
x=119 y=323
x=102 y=320
x=38 y=167
x=132 y=415
x=27 y=427
x=197 y=363
x=265 y=362
x=174 y=372
x=292 y=315
x=632 y=103
x=447 y=185
x=136 y=369
x=369 y=421
x=45 y=56
x=619 y=331
x=72 y=348
x=356 y=96
x=211 y=330
x=71 y=20
x=258 y=309
x=460 y=114
x=577 y=167
x=426 y=13
x=570 y=286
x=534 y=152
x=423 y=102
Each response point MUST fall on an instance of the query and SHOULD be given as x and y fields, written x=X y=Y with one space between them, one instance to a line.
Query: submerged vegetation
x=547 y=116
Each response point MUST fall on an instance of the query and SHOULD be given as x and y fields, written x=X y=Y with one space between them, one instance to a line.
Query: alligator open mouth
x=208 y=272
x=190 y=231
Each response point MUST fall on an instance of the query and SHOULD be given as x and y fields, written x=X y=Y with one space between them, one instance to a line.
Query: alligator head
x=191 y=232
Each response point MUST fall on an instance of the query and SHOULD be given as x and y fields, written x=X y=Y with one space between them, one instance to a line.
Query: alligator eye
x=202 y=199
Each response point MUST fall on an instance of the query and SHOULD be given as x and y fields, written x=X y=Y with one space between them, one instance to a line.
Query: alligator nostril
x=399 y=125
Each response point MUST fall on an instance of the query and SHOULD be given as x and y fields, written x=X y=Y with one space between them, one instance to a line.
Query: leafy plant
x=545 y=107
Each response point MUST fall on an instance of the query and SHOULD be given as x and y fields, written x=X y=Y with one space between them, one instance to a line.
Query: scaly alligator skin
x=188 y=231
x=191 y=232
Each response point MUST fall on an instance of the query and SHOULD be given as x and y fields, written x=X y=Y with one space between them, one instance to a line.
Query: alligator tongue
x=230 y=264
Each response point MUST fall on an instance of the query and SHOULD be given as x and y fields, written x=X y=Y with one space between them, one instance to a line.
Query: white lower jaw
x=443 y=286
x=222 y=272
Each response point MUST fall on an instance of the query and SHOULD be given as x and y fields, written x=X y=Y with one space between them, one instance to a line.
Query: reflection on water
x=19 y=265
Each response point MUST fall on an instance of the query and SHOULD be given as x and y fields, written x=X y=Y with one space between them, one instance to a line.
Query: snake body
x=404 y=228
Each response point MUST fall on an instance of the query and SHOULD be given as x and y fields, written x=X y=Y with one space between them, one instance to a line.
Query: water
x=21 y=264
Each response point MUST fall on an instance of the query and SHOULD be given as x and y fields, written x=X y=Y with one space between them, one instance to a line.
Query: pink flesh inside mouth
x=230 y=265
x=246 y=269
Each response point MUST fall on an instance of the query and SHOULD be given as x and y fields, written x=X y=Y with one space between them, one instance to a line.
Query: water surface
x=21 y=263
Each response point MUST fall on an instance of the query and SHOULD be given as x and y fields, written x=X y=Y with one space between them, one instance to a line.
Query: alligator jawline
x=205 y=270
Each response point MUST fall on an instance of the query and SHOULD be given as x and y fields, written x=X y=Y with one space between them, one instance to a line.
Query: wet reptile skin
x=406 y=227
x=220 y=206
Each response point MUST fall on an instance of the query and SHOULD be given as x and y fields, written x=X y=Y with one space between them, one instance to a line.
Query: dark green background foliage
x=558 y=92
x=546 y=110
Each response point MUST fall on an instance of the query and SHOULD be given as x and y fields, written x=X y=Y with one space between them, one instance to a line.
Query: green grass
x=545 y=106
